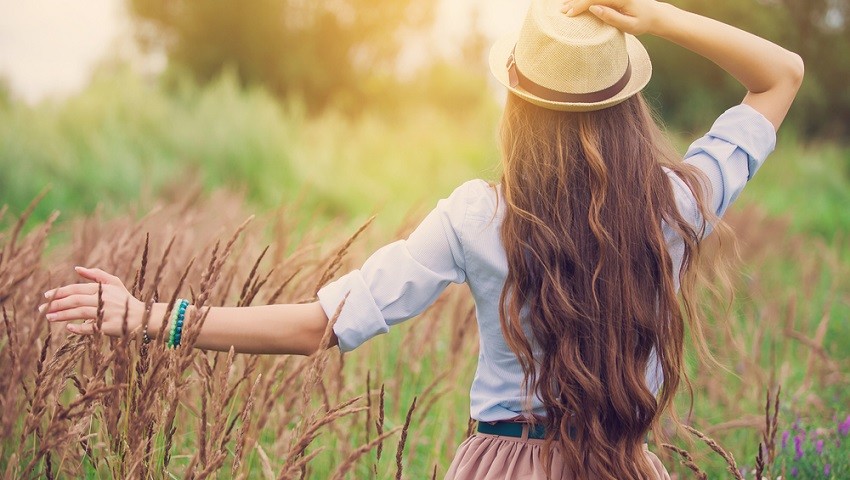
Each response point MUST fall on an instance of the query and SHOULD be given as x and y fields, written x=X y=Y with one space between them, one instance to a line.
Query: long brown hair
x=590 y=290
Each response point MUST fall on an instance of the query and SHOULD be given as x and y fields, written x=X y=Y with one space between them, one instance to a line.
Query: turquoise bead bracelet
x=172 y=322
x=178 y=315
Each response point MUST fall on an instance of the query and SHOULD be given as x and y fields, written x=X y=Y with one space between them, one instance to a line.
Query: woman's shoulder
x=477 y=197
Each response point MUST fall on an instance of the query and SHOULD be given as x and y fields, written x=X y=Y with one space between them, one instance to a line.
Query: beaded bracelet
x=177 y=317
x=146 y=339
x=181 y=315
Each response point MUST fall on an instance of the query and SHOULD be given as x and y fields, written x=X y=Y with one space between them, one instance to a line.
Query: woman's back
x=460 y=241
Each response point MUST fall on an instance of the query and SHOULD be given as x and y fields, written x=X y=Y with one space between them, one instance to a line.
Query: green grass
x=126 y=141
x=808 y=184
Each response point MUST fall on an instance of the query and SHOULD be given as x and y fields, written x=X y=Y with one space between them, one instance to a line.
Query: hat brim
x=641 y=73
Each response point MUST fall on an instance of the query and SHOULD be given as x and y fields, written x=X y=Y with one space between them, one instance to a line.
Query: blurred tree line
x=343 y=53
x=339 y=52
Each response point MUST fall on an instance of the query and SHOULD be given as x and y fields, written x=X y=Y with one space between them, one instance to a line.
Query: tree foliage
x=323 y=51
x=343 y=53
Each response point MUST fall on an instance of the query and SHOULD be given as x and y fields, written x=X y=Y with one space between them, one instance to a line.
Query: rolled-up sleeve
x=731 y=153
x=401 y=279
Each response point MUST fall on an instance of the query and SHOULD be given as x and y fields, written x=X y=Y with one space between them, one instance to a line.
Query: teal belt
x=514 y=429
x=511 y=429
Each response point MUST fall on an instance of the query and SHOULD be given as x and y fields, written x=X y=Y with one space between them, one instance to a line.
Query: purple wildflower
x=794 y=472
x=844 y=427
x=819 y=446
x=826 y=470
x=785 y=436
x=798 y=447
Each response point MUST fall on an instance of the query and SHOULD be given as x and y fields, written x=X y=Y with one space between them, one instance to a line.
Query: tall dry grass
x=116 y=408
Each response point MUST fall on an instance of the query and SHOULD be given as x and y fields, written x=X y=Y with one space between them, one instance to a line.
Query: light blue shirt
x=459 y=242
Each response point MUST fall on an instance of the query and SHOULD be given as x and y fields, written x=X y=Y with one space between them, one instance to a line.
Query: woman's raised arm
x=770 y=73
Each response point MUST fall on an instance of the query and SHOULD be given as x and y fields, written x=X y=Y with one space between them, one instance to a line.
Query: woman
x=574 y=260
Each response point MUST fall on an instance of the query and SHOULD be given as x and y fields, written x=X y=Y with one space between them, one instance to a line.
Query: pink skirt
x=493 y=457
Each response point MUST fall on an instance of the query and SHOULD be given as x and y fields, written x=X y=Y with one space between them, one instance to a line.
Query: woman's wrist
x=662 y=18
x=154 y=324
x=157 y=322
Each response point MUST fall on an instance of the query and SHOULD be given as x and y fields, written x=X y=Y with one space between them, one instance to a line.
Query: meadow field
x=226 y=197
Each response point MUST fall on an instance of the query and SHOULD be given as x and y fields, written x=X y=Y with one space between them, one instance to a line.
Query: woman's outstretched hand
x=78 y=301
x=277 y=329
x=631 y=16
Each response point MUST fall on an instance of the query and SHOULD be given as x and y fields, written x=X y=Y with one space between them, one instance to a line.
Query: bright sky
x=49 y=47
x=496 y=17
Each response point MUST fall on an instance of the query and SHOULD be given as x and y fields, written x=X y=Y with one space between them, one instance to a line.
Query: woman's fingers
x=630 y=16
x=85 y=328
x=614 y=18
x=70 y=301
x=77 y=313
x=576 y=7
x=98 y=275
x=79 y=301
x=95 y=274
x=71 y=289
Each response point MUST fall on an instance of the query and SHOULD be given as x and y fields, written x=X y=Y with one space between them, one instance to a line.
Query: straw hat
x=576 y=63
